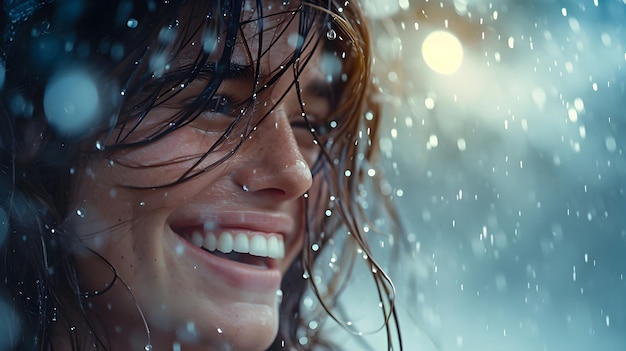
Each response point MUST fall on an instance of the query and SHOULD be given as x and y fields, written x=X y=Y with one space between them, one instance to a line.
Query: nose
x=271 y=161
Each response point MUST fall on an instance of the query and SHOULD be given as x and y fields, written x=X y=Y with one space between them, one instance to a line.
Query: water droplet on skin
x=220 y=331
x=80 y=213
x=245 y=188
x=148 y=347
x=99 y=146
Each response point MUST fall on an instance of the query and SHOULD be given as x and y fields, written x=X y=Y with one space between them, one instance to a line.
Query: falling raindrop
x=331 y=34
x=209 y=41
x=279 y=296
x=71 y=102
x=610 y=143
x=132 y=23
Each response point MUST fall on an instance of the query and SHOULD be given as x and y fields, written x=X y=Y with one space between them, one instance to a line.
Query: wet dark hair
x=132 y=41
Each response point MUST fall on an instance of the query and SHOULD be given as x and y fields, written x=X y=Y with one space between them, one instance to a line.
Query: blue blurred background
x=504 y=146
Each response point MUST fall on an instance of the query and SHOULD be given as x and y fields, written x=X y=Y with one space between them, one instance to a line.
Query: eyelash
x=224 y=105
x=221 y=105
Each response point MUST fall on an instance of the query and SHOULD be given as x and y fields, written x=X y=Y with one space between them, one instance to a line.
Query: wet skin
x=151 y=236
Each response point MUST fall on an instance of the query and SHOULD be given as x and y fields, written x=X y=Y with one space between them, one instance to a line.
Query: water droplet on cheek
x=80 y=213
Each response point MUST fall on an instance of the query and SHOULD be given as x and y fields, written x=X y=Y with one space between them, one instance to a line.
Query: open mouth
x=243 y=258
x=249 y=248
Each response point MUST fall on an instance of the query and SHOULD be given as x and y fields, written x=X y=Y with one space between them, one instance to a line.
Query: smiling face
x=203 y=258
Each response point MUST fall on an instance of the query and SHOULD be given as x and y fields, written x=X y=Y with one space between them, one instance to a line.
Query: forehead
x=267 y=31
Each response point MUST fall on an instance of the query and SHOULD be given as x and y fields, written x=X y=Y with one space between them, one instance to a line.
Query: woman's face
x=203 y=260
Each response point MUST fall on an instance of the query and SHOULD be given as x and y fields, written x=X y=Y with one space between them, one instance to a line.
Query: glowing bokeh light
x=442 y=52
x=71 y=102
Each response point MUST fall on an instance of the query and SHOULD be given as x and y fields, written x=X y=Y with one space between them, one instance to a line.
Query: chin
x=231 y=326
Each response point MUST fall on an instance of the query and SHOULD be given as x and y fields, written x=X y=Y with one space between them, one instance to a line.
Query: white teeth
x=197 y=239
x=273 y=249
x=241 y=243
x=210 y=242
x=257 y=245
x=225 y=243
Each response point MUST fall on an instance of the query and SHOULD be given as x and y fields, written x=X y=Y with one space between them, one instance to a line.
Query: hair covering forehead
x=267 y=24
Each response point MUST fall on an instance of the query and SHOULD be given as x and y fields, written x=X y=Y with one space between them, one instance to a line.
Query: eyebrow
x=317 y=87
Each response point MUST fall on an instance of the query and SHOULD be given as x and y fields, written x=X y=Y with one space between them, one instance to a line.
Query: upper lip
x=263 y=222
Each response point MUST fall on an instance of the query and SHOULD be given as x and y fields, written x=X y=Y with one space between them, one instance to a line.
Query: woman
x=168 y=167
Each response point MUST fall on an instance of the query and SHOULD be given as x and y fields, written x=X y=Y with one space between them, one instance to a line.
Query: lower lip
x=236 y=274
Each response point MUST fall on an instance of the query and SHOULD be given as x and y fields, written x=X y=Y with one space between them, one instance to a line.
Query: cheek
x=165 y=161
